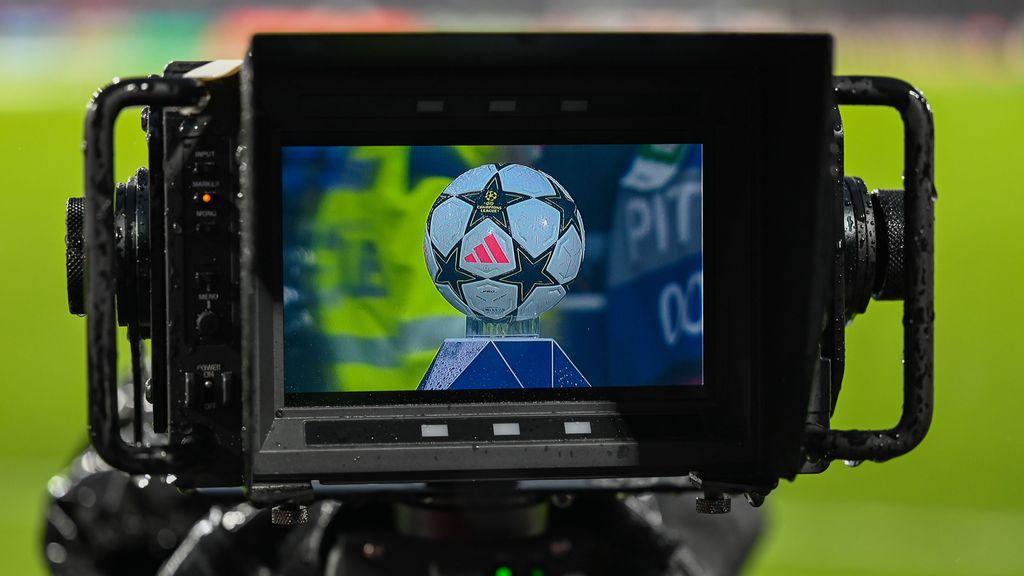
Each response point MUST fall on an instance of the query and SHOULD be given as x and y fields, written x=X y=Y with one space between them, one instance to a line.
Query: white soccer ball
x=503 y=241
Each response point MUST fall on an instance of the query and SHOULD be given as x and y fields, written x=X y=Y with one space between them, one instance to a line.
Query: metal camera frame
x=762 y=101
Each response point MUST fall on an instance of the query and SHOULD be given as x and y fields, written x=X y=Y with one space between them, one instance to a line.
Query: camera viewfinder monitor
x=531 y=256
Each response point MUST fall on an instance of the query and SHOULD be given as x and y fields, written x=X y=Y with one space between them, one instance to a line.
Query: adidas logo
x=488 y=252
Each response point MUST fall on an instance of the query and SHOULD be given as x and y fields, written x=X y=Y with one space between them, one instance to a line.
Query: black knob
x=890 y=284
x=207 y=323
x=74 y=251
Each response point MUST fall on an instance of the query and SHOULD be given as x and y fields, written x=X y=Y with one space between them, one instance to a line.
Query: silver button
x=506 y=428
x=434 y=430
x=577 y=427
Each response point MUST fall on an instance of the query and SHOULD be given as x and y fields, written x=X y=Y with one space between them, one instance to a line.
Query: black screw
x=713 y=503
x=289 y=515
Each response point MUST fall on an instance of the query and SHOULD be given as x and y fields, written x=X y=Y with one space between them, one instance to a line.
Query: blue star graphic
x=448 y=271
x=530 y=273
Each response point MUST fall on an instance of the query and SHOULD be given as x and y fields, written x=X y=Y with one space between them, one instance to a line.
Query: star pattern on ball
x=491 y=202
x=530 y=273
x=563 y=203
x=448 y=271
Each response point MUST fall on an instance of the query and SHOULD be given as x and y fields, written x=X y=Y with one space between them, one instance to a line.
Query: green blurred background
x=950 y=507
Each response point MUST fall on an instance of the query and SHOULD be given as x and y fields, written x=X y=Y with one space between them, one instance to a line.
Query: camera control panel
x=203 y=324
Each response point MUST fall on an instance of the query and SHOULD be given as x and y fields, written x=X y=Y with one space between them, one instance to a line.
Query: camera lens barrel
x=131 y=238
x=74 y=251
x=873 y=237
x=860 y=245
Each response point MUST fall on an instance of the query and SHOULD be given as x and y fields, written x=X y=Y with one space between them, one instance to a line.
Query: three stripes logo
x=488 y=252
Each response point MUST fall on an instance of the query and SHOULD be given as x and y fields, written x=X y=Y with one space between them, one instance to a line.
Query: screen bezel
x=716 y=106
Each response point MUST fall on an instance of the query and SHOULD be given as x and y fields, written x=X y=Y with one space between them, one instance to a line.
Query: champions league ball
x=503 y=241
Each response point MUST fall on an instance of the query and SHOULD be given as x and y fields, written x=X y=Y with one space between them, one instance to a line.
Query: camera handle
x=918 y=299
x=101 y=270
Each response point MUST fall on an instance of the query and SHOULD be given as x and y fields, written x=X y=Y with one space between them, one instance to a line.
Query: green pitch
x=951 y=507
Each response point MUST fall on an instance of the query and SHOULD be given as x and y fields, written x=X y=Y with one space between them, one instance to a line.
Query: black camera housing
x=776 y=293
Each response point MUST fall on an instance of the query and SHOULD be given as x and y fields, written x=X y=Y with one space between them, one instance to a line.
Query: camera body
x=189 y=256
x=175 y=236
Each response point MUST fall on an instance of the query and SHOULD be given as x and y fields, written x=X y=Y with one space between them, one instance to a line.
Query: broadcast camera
x=271 y=254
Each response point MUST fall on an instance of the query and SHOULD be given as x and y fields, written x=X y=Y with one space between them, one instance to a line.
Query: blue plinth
x=502 y=363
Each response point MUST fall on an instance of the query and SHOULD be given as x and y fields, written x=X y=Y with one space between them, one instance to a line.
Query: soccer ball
x=503 y=241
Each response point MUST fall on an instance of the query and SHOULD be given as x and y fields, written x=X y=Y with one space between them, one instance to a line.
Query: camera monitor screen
x=602 y=243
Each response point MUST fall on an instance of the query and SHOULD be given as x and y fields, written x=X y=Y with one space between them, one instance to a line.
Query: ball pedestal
x=501 y=355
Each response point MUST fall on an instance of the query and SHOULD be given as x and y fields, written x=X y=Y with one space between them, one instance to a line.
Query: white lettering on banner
x=661 y=218
x=638 y=224
x=646 y=215
x=684 y=195
x=674 y=310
